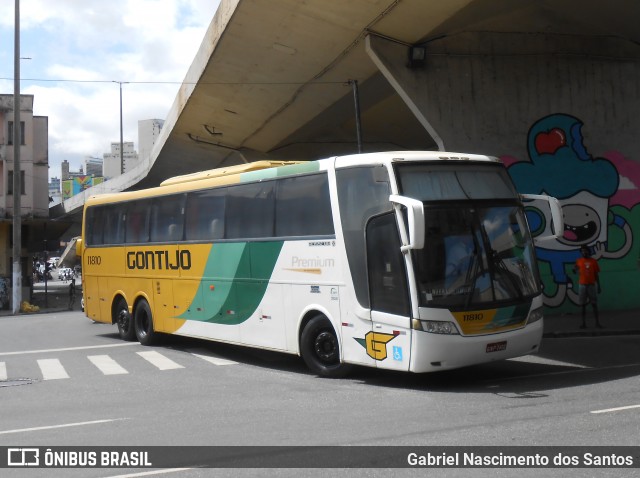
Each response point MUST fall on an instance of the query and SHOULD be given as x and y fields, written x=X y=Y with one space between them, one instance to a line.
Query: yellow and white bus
x=413 y=261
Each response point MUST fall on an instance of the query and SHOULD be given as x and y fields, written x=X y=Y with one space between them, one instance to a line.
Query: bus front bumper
x=433 y=352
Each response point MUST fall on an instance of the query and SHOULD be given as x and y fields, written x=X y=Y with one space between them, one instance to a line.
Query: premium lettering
x=162 y=259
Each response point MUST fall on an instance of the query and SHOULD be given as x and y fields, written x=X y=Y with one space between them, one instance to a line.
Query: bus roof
x=228 y=171
x=266 y=169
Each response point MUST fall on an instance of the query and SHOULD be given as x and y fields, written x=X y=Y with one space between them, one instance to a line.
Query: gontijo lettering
x=161 y=259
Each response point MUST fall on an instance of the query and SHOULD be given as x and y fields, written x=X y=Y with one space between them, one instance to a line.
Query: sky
x=76 y=51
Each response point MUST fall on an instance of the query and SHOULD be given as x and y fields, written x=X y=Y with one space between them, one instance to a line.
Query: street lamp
x=121 y=139
x=17 y=191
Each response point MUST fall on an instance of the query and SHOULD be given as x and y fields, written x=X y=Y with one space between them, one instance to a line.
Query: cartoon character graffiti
x=560 y=166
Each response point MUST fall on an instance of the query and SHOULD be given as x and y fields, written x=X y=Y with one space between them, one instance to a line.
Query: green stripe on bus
x=234 y=281
x=310 y=167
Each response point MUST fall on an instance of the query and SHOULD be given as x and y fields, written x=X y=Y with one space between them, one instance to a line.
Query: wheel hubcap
x=326 y=347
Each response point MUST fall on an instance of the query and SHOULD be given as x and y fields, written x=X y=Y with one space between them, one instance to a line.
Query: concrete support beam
x=480 y=91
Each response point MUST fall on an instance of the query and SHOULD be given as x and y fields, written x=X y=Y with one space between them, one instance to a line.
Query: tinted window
x=303 y=207
x=114 y=224
x=387 y=277
x=94 y=225
x=362 y=194
x=166 y=219
x=137 y=221
x=250 y=210
x=205 y=215
x=437 y=182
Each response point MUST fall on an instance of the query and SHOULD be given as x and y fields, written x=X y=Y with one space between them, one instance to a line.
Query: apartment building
x=34 y=200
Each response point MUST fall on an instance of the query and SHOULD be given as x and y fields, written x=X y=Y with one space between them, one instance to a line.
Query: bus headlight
x=436 y=327
x=535 y=315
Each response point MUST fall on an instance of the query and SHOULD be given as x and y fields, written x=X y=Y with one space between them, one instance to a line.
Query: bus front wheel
x=124 y=321
x=143 y=324
x=320 y=349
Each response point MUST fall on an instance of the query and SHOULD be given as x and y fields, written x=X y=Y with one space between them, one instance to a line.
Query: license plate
x=497 y=347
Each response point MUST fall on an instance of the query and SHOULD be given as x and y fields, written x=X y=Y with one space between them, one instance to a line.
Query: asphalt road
x=66 y=381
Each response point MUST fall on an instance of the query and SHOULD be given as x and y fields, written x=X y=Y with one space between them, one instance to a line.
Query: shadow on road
x=562 y=363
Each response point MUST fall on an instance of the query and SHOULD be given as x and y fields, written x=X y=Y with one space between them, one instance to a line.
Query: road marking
x=52 y=369
x=159 y=360
x=3 y=371
x=545 y=361
x=64 y=425
x=618 y=409
x=68 y=349
x=151 y=473
x=107 y=365
x=214 y=360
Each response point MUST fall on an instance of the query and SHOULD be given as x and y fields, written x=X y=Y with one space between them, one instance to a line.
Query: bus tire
x=143 y=324
x=124 y=321
x=320 y=349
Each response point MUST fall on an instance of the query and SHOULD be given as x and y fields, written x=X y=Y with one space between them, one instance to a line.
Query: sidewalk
x=615 y=322
x=56 y=298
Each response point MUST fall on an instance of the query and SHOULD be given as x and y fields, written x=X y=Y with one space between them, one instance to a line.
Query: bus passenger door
x=390 y=340
x=92 y=300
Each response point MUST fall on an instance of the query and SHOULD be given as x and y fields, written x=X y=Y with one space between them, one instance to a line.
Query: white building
x=112 y=167
x=148 y=132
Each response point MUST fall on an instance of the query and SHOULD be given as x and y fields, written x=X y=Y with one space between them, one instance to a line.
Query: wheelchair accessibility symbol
x=397 y=353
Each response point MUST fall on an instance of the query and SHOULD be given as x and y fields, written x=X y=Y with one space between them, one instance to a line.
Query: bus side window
x=167 y=218
x=114 y=225
x=137 y=220
x=387 y=276
x=216 y=229
x=203 y=210
x=250 y=211
x=303 y=207
x=361 y=194
x=94 y=226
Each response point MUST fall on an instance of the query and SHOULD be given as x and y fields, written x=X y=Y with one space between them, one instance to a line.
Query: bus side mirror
x=79 y=247
x=556 y=216
x=415 y=216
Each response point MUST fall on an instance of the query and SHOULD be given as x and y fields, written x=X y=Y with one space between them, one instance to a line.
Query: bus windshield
x=478 y=252
x=475 y=256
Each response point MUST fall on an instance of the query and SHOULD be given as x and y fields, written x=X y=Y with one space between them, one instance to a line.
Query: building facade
x=112 y=165
x=34 y=200
x=148 y=132
x=93 y=166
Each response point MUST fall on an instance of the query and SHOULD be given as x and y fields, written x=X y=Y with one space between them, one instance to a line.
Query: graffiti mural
x=598 y=196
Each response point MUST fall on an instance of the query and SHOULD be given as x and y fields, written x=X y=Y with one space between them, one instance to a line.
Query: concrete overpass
x=501 y=77
x=271 y=77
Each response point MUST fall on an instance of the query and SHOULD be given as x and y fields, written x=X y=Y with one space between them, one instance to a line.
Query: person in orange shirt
x=588 y=278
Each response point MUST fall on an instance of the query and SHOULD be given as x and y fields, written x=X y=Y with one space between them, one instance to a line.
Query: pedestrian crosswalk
x=159 y=360
x=107 y=365
x=54 y=368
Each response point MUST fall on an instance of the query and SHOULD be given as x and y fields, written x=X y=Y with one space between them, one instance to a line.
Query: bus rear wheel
x=124 y=321
x=320 y=349
x=143 y=324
